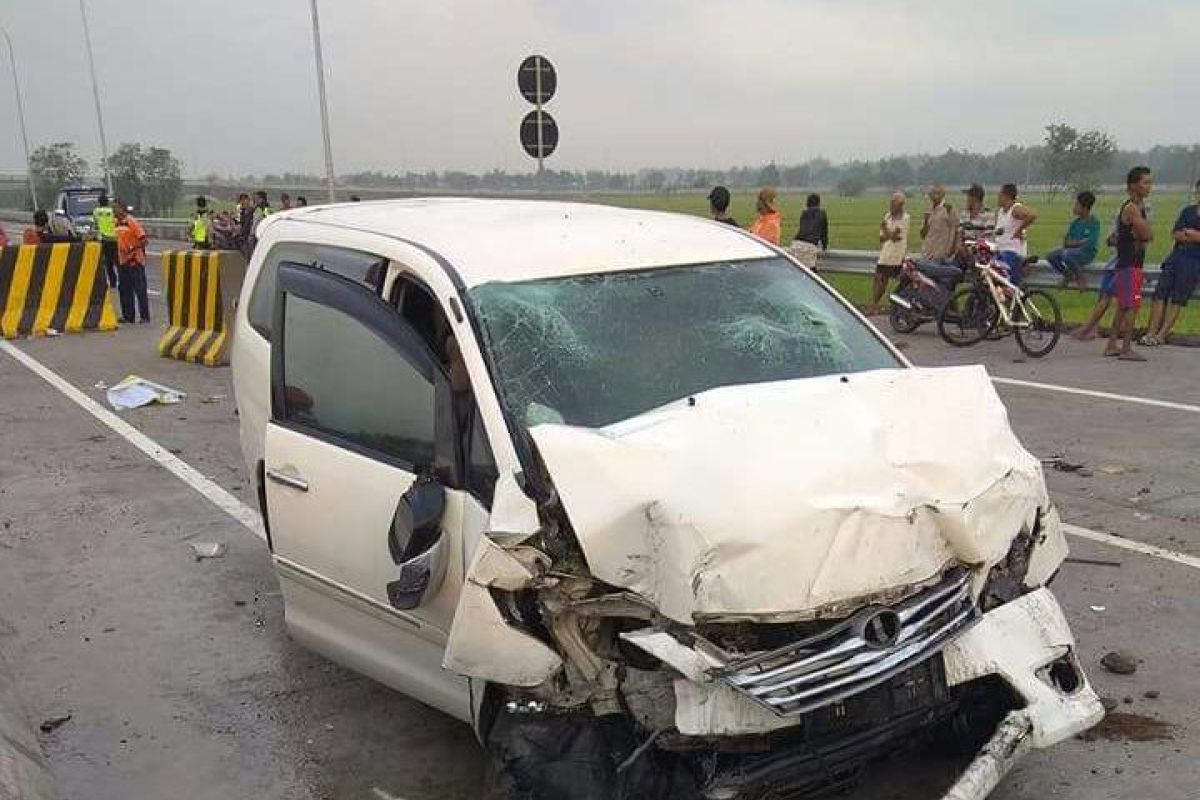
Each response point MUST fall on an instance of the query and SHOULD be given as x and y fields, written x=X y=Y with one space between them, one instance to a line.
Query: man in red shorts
x=1132 y=235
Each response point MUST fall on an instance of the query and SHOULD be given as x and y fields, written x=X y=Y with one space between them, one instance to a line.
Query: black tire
x=902 y=319
x=968 y=316
x=1041 y=334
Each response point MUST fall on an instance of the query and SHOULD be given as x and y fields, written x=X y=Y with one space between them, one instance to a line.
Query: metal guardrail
x=862 y=262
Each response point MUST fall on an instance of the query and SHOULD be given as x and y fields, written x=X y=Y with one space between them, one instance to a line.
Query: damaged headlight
x=1032 y=560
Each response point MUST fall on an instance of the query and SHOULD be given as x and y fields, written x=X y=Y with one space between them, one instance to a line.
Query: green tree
x=55 y=166
x=1074 y=159
x=147 y=178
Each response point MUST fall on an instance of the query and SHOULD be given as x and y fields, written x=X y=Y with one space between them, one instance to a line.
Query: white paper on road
x=134 y=392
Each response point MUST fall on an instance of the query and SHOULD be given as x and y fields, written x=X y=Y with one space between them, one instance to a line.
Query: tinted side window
x=341 y=379
x=361 y=267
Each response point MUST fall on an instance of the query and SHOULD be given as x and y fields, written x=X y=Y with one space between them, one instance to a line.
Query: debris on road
x=1110 y=704
x=1128 y=727
x=1120 y=662
x=134 y=392
x=214 y=398
x=1093 y=562
x=205 y=550
x=1153 y=694
x=1112 y=469
x=1098 y=609
x=54 y=723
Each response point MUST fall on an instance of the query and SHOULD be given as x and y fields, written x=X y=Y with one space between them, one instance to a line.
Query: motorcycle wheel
x=903 y=320
x=968 y=316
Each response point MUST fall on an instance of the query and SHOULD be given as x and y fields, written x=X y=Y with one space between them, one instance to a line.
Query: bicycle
x=990 y=300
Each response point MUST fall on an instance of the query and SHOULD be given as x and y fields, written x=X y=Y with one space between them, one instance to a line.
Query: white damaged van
x=644 y=501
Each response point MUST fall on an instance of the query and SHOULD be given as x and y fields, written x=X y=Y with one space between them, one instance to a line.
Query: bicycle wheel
x=968 y=316
x=1040 y=324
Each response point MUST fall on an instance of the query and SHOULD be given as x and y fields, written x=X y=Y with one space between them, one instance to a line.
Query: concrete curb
x=24 y=773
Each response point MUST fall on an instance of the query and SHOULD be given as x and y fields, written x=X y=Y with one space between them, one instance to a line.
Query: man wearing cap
x=768 y=225
x=718 y=205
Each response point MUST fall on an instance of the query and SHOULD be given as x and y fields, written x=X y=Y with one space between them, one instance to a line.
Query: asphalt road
x=180 y=680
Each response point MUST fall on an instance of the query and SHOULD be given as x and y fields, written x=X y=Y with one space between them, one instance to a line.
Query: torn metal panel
x=482 y=643
x=751 y=502
x=692 y=664
x=1016 y=641
x=715 y=709
x=1049 y=552
x=514 y=515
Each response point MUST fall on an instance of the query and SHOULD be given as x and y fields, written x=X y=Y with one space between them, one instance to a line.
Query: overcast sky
x=229 y=85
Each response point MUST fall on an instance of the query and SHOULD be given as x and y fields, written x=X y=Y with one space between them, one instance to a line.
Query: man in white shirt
x=893 y=248
x=1012 y=219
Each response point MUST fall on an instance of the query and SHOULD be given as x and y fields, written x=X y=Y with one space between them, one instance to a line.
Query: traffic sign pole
x=540 y=142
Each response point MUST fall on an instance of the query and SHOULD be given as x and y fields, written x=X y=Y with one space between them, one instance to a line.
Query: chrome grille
x=863 y=651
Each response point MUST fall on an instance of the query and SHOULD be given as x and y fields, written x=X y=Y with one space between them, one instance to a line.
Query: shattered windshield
x=598 y=349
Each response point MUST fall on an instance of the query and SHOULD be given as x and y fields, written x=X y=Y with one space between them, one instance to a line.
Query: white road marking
x=1132 y=545
x=1124 y=398
x=251 y=520
x=219 y=497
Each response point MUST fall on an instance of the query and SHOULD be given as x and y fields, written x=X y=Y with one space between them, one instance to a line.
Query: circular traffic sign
x=537 y=79
x=539 y=121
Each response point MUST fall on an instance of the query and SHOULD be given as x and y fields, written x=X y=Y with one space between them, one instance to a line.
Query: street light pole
x=87 y=38
x=12 y=62
x=324 y=105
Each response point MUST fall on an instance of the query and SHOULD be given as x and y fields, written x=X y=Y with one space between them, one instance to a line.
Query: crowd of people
x=948 y=237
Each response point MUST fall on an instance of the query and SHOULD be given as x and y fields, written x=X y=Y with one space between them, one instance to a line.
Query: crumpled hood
x=795 y=500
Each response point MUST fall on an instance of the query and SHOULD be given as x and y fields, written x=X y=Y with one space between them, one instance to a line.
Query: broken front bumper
x=1026 y=643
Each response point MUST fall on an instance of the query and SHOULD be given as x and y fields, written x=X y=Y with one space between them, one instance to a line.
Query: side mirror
x=417 y=545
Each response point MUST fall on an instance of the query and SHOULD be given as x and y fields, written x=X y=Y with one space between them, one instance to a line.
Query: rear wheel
x=967 y=317
x=1040 y=323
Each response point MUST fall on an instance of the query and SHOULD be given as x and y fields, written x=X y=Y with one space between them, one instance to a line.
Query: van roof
x=488 y=240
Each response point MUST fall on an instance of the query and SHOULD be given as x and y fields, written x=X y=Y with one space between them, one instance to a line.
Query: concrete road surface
x=181 y=682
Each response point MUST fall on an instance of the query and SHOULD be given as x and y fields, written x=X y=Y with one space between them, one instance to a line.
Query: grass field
x=854 y=221
x=854 y=225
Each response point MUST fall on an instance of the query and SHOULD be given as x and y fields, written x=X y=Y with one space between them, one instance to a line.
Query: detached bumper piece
x=865 y=650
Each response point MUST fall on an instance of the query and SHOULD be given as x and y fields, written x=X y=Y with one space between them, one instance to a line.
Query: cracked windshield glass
x=598 y=349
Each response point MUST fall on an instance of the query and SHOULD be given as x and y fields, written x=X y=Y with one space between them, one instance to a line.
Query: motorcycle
x=925 y=288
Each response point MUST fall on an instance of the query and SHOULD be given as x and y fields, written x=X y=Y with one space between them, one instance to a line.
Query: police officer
x=201 y=223
x=106 y=231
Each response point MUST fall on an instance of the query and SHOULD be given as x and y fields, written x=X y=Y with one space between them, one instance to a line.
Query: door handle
x=290 y=481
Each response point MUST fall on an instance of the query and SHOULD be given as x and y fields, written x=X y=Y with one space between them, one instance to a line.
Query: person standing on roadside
x=301 y=201
x=1133 y=234
x=106 y=232
x=245 y=223
x=201 y=225
x=893 y=248
x=41 y=232
x=131 y=266
x=939 y=229
x=768 y=224
x=1012 y=220
x=814 y=223
x=718 y=206
x=975 y=222
x=285 y=202
x=1179 y=276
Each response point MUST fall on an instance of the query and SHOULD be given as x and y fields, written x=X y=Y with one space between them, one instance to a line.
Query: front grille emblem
x=881 y=629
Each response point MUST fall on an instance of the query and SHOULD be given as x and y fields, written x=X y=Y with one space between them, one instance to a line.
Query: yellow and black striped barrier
x=59 y=287
x=201 y=287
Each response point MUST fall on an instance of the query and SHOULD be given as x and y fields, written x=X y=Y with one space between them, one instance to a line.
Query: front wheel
x=968 y=316
x=903 y=320
x=1040 y=325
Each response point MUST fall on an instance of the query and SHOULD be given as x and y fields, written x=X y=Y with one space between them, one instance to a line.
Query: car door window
x=365 y=268
x=342 y=380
